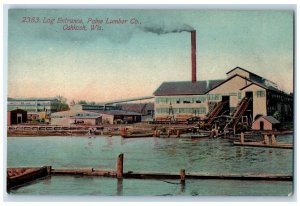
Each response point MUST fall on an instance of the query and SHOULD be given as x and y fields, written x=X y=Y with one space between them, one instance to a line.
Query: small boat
x=195 y=135
x=126 y=133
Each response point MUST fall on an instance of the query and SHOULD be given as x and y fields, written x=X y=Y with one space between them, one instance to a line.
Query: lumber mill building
x=242 y=97
x=241 y=94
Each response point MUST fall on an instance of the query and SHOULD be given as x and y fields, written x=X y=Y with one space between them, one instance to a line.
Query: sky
x=131 y=60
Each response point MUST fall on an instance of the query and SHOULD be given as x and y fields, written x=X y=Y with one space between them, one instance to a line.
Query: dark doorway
x=249 y=94
x=19 y=120
x=261 y=125
x=226 y=105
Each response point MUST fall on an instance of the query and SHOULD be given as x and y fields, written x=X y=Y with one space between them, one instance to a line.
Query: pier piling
x=182 y=176
x=273 y=140
x=120 y=166
x=178 y=133
x=242 y=137
x=266 y=139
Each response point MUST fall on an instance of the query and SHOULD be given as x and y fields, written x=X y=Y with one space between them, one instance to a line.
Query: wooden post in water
x=120 y=166
x=273 y=139
x=169 y=133
x=178 y=133
x=266 y=139
x=242 y=138
x=49 y=170
x=182 y=176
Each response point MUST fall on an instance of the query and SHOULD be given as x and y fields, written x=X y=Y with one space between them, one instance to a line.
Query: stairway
x=215 y=111
x=238 y=112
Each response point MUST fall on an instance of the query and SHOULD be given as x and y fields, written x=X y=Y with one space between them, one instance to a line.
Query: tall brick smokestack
x=194 y=69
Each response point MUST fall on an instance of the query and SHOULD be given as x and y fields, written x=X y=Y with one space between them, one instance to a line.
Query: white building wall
x=230 y=88
x=259 y=100
x=184 y=106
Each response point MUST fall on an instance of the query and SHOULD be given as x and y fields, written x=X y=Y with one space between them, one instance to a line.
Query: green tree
x=82 y=102
x=277 y=115
x=62 y=104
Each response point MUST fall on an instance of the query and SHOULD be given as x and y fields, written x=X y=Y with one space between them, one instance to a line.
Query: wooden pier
x=265 y=143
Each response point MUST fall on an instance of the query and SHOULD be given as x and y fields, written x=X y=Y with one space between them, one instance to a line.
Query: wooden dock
x=265 y=143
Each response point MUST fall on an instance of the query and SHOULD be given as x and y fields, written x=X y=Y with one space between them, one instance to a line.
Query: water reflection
x=119 y=187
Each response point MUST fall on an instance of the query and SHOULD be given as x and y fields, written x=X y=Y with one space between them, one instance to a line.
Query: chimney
x=193 y=42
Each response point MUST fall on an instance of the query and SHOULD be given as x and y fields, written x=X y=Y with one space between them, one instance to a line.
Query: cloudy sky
x=131 y=60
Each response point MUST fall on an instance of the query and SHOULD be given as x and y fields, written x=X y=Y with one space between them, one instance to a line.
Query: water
x=150 y=154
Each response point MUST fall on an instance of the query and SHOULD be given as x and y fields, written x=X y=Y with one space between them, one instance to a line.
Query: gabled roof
x=271 y=119
x=137 y=107
x=260 y=85
x=185 y=87
x=254 y=77
x=241 y=69
x=264 y=87
x=74 y=113
x=226 y=80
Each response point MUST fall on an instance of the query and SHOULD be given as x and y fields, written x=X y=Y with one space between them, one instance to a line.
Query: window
x=239 y=95
x=213 y=96
x=260 y=93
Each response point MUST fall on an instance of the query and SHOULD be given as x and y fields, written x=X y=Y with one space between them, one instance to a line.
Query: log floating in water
x=245 y=176
x=84 y=172
x=156 y=175
x=29 y=174
x=262 y=144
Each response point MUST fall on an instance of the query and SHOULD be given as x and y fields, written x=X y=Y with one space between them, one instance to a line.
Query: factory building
x=95 y=107
x=33 y=105
x=243 y=93
x=75 y=117
x=241 y=97
x=182 y=100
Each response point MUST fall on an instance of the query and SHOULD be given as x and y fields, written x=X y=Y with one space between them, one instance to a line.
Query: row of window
x=30 y=107
x=214 y=97
x=201 y=99
x=260 y=93
x=200 y=110
x=29 y=102
x=180 y=100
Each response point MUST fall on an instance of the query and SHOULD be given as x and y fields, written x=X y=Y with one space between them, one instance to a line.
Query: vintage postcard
x=150 y=102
